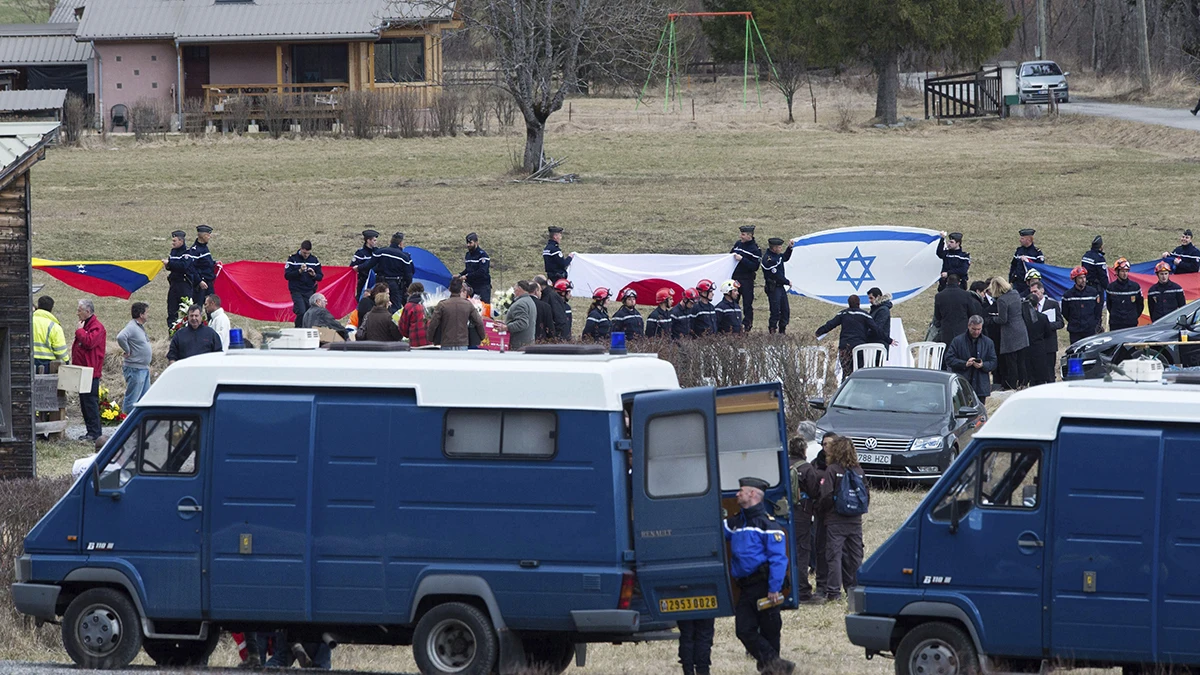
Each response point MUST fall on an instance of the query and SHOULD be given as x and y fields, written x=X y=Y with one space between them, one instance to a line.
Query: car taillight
x=626 y=591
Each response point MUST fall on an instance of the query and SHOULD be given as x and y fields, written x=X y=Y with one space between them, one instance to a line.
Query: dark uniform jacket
x=963 y=348
x=954 y=262
x=704 y=318
x=188 y=342
x=857 y=328
x=729 y=317
x=203 y=264
x=1017 y=268
x=658 y=324
x=556 y=261
x=629 y=321
x=544 y=327
x=1125 y=303
x=392 y=262
x=1189 y=259
x=1097 y=269
x=1164 y=298
x=758 y=546
x=560 y=315
x=681 y=321
x=598 y=324
x=747 y=267
x=1081 y=309
x=772 y=264
x=952 y=306
x=1043 y=333
x=477 y=268
x=181 y=267
x=361 y=257
x=302 y=282
x=806 y=487
x=881 y=314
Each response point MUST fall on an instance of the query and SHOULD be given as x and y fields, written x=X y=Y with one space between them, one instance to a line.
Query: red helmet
x=563 y=285
x=600 y=294
x=690 y=294
x=663 y=295
x=705 y=286
x=1162 y=267
x=1078 y=272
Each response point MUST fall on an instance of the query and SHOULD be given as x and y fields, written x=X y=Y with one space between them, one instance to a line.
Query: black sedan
x=1115 y=346
x=906 y=423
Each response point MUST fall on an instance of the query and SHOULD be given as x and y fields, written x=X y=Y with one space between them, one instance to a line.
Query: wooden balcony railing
x=322 y=96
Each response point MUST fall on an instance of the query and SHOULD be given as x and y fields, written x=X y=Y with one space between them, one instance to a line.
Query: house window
x=400 y=60
x=6 y=414
x=321 y=63
x=154 y=85
x=118 y=59
x=154 y=57
x=118 y=85
x=501 y=433
x=136 y=72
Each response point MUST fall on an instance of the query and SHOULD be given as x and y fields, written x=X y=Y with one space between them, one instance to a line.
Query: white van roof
x=471 y=379
x=1036 y=413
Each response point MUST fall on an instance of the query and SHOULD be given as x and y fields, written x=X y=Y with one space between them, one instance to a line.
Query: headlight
x=928 y=443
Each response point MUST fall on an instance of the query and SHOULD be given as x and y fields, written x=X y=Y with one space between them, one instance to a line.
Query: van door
x=147 y=520
x=982 y=545
x=1178 y=597
x=679 y=544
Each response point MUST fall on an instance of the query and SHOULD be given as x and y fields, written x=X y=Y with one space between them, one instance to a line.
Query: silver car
x=1036 y=80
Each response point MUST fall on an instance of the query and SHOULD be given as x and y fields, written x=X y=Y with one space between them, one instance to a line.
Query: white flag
x=834 y=264
x=646 y=273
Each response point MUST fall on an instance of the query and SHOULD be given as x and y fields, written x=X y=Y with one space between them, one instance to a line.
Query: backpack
x=851 y=497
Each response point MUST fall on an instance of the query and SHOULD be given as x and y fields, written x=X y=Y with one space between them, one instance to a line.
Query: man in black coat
x=193 y=339
x=1043 y=320
x=394 y=267
x=303 y=272
x=749 y=257
x=1124 y=298
x=952 y=306
x=857 y=328
x=973 y=355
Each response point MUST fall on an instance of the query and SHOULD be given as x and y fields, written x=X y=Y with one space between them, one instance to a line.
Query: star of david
x=856 y=257
x=82 y=269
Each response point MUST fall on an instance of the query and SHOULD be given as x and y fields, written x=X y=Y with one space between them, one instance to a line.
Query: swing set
x=674 y=68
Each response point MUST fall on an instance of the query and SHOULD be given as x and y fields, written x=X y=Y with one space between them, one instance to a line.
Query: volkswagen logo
x=871 y=443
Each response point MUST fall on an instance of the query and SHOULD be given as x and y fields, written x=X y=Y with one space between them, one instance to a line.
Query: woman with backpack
x=843 y=501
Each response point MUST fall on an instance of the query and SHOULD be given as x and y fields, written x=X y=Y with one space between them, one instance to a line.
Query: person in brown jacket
x=843 y=534
x=380 y=327
x=448 y=326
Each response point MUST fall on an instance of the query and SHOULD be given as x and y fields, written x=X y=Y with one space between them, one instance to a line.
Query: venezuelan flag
x=107 y=278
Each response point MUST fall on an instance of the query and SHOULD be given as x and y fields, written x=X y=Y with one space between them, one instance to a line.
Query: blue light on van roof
x=617 y=346
x=1075 y=369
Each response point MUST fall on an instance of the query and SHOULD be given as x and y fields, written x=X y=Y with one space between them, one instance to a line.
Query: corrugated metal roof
x=28 y=50
x=64 y=11
x=15 y=29
x=30 y=100
x=20 y=139
x=194 y=20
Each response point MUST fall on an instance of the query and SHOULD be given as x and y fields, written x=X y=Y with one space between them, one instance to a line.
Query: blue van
x=1066 y=534
x=491 y=510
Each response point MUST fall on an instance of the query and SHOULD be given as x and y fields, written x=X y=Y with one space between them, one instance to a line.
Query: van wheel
x=936 y=648
x=100 y=629
x=179 y=653
x=548 y=653
x=455 y=639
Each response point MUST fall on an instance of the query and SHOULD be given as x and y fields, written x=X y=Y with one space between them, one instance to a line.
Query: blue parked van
x=492 y=510
x=1067 y=533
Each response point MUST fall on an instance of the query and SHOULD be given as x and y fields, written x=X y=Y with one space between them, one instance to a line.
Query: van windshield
x=867 y=393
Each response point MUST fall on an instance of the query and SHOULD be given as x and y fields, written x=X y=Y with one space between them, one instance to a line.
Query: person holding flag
x=1026 y=253
x=1186 y=257
x=776 y=285
x=749 y=257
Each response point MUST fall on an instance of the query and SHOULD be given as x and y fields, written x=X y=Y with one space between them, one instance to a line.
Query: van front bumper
x=36 y=600
x=873 y=633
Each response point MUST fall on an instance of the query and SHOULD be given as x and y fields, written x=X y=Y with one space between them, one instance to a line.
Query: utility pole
x=1143 y=45
x=1042 y=50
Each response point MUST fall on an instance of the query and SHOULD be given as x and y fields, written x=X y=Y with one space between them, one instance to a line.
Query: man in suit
x=1044 y=320
x=952 y=306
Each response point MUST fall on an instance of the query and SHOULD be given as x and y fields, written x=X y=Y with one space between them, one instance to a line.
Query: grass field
x=650 y=183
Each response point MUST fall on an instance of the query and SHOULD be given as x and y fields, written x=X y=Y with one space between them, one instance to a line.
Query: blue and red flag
x=107 y=278
x=1058 y=279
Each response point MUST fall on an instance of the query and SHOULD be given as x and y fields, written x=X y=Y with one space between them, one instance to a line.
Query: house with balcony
x=213 y=53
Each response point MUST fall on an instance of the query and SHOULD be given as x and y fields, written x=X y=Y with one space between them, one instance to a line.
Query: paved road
x=1167 y=117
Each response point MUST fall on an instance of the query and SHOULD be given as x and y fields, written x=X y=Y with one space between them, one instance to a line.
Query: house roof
x=32 y=44
x=32 y=100
x=209 y=21
x=20 y=142
x=23 y=29
x=64 y=11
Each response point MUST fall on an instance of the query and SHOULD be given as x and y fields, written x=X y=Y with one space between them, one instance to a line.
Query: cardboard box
x=77 y=379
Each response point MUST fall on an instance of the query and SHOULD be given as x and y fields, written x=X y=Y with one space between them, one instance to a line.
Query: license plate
x=694 y=604
x=874 y=458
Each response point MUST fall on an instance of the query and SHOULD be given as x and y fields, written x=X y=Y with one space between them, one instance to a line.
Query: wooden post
x=1143 y=45
x=1043 y=46
x=279 y=68
x=371 y=64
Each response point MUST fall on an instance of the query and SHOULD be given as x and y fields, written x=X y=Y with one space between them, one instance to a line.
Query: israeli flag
x=834 y=264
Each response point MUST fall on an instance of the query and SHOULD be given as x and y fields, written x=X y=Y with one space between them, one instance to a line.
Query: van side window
x=170 y=446
x=122 y=466
x=960 y=499
x=748 y=445
x=496 y=433
x=676 y=460
x=1011 y=478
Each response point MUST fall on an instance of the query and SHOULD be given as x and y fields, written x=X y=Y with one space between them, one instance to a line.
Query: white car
x=1036 y=80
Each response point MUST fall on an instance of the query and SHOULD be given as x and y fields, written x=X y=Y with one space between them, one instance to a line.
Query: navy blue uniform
x=1164 y=298
x=776 y=281
x=681 y=322
x=182 y=280
x=695 y=645
x=477 y=268
x=704 y=319
x=759 y=563
x=729 y=317
x=560 y=315
x=556 y=261
x=1081 y=309
x=745 y=274
x=1125 y=304
x=205 y=268
x=1097 y=269
x=1017 y=268
x=953 y=262
x=629 y=321
x=658 y=324
x=857 y=328
x=1189 y=259
x=394 y=267
x=598 y=324
x=301 y=285
x=360 y=259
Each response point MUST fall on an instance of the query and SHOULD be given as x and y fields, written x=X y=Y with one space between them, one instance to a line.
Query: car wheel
x=101 y=630
x=181 y=653
x=455 y=639
x=936 y=648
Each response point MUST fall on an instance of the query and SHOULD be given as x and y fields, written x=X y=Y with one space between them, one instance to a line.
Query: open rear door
x=679 y=543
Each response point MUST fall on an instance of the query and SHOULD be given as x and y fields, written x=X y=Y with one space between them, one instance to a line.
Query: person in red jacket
x=91 y=341
x=412 y=320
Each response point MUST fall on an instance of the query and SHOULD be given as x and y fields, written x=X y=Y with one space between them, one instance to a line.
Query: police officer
x=729 y=315
x=1025 y=253
x=1186 y=257
x=776 y=284
x=681 y=315
x=1166 y=296
x=704 y=315
x=759 y=551
x=1081 y=306
x=627 y=319
x=477 y=268
x=658 y=324
x=749 y=257
x=1094 y=263
x=182 y=277
x=555 y=260
x=394 y=267
x=954 y=259
x=363 y=256
x=1125 y=301
x=303 y=273
x=203 y=264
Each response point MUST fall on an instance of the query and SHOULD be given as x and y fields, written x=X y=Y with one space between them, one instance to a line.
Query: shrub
x=361 y=109
x=275 y=114
x=195 y=119
x=446 y=115
x=480 y=109
x=237 y=114
x=23 y=502
x=505 y=108
x=77 y=116
x=149 y=117
x=400 y=112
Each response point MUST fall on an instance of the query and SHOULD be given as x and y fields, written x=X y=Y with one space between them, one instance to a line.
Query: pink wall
x=246 y=64
x=131 y=71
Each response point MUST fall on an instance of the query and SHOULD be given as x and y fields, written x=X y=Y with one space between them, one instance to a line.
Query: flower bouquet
x=181 y=315
x=501 y=302
x=110 y=410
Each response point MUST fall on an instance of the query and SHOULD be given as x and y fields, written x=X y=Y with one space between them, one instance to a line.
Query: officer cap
x=554 y=229
x=956 y=236
x=370 y=234
x=1187 y=233
x=748 y=229
x=1098 y=242
x=472 y=237
x=1027 y=232
x=179 y=233
x=203 y=229
x=775 y=241
x=751 y=481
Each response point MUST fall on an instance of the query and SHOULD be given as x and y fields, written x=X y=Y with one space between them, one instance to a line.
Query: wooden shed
x=21 y=146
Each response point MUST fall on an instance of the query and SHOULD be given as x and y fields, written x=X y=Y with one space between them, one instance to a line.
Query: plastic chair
x=816 y=368
x=928 y=355
x=870 y=355
x=120 y=117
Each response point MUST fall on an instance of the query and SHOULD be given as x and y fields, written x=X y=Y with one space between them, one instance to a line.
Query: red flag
x=1190 y=283
x=257 y=290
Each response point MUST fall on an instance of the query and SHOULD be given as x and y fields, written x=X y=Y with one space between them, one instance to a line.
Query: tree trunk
x=887 y=70
x=535 y=138
x=1143 y=46
x=790 y=98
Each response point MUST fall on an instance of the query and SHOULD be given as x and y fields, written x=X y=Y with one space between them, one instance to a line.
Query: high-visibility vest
x=49 y=343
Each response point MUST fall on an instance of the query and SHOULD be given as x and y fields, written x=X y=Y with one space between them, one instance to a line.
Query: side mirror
x=967 y=411
x=816 y=403
x=1066 y=73
x=1183 y=322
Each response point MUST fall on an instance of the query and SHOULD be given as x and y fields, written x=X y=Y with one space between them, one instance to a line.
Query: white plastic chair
x=928 y=355
x=816 y=368
x=869 y=355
